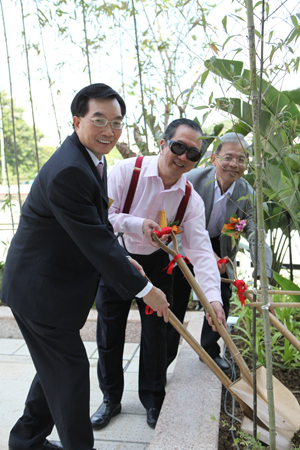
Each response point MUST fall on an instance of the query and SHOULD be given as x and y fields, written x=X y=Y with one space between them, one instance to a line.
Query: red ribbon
x=148 y=310
x=241 y=288
x=171 y=264
x=222 y=261
x=166 y=230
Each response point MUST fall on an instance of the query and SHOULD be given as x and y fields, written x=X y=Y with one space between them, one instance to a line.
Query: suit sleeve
x=72 y=195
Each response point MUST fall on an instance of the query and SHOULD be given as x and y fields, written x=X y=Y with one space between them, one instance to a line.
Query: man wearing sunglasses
x=161 y=186
x=225 y=193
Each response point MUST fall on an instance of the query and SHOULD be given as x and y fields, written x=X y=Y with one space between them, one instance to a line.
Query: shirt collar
x=152 y=171
x=229 y=191
x=95 y=160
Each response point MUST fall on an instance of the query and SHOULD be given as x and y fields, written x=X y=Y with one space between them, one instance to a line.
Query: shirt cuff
x=145 y=291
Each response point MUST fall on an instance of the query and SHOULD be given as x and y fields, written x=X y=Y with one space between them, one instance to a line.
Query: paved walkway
x=127 y=431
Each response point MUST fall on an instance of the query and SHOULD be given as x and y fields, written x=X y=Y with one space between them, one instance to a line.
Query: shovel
x=287 y=407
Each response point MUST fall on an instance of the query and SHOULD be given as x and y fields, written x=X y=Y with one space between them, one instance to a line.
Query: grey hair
x=237 y=138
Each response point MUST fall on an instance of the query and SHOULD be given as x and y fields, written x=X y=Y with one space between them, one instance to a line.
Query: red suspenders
x=133 y=184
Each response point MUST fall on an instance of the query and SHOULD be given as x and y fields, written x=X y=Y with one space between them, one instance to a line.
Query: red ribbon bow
x=171 y=264
x=222 y=261
x=241 y=288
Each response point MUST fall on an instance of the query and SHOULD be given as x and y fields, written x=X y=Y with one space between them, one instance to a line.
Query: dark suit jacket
x=64 y=242
x=240 y=203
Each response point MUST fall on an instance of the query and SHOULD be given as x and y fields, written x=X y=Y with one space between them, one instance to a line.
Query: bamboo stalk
x=29 y=87
x=86 y=41
x=273 y=292
x=12 y=109
x=260 y=220
x=274 y=304
x=48 y=76
x=6 y=170
x=123 y=84
x=140 y=73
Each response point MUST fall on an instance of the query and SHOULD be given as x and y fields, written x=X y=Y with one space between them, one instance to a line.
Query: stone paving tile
x=16 y=371
x=130 y=350
x=91 y=349
x=119 y=446
x=22 y=351
x=126 y=428
x=10 y=346
x=127 y=431
x=133 y=365
x=4 y=433
x=130 y=381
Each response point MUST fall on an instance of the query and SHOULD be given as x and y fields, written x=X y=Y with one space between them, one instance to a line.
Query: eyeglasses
x=101 y=122
x=239 y=161
x=178 y=148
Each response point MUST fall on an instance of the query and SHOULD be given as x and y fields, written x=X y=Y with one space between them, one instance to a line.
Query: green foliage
x=245 y=440
x=279 y=126
x=287 y=285
x=25 y=145
x=284 y=354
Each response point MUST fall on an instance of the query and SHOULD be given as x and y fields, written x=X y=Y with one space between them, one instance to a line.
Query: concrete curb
x=189 y=419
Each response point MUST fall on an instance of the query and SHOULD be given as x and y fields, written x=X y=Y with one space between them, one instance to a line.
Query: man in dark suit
x=224 y=193
x=63 y=244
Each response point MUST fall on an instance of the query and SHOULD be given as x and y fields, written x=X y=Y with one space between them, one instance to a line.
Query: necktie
x=100 y=169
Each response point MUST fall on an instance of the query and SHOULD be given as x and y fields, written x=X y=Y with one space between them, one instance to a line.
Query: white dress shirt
x=150 y=198
x=149 y=285
x=218 y=212
x=95 y=160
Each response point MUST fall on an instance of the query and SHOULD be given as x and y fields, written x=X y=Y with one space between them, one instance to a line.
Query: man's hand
x=148 y=227
x=222 y=267
x=137 y=265
x=218 y=308
x=156 y=299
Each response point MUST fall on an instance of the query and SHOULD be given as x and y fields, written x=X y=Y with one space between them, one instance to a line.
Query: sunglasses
x=178 y=148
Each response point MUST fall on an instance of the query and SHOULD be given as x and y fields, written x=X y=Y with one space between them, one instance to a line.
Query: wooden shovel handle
x=245 y=372
x=182 y=330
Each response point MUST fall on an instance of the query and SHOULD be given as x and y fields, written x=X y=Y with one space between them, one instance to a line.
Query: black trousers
x=112 y=317
x=181 y=295
x=60 y=392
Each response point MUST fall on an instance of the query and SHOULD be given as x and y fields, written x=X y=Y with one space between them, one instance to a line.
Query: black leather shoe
x=104 y=413
x=47 y=445
x=152 y=416
x=221 y=363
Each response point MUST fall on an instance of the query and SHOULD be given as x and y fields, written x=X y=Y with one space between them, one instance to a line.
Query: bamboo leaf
x=286 y=285
x=205 y=116
x=224 y=23
x=203 y=77
x=295 y=21
x=200 y=107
